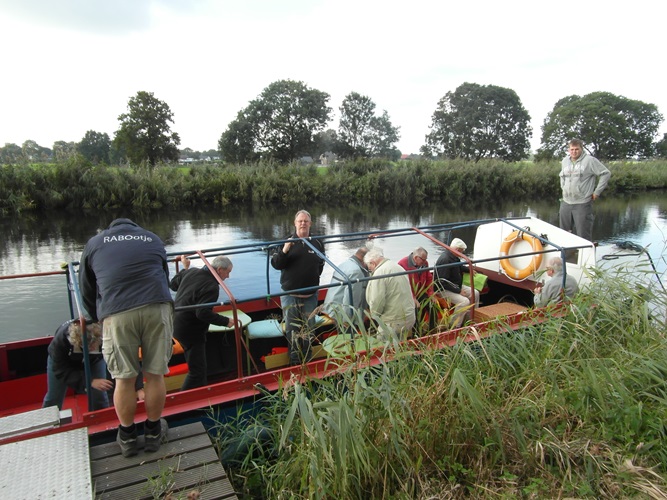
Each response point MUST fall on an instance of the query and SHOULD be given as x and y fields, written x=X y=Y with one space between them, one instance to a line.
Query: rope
x=638 y=250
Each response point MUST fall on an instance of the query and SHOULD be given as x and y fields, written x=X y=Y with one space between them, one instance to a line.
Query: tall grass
x=77 y=184
x=575 y=407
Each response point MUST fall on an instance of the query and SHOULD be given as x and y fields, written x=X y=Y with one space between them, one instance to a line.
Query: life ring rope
x=535 y=262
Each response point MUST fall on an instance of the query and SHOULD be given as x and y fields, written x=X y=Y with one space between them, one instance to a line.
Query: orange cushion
x=176 y=348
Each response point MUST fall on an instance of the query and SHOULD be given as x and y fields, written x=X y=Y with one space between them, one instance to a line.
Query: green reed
x=77 y=184
x=574 y=407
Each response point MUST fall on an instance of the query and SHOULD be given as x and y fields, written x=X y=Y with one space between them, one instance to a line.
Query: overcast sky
x=69 y=66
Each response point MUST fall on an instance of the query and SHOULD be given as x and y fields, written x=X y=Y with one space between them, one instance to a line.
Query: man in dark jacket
x=65 y=368
x=124 y=282
x=300 y=267
x=448 y=281
x=197 y=286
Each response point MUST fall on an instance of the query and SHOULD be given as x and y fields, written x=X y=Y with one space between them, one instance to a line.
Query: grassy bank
x=79 y=185
x=575 y=407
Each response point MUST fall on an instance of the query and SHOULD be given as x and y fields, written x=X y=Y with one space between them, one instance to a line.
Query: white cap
x=459 y=244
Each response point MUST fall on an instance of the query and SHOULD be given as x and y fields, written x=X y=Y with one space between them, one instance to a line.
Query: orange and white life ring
x=511 y=271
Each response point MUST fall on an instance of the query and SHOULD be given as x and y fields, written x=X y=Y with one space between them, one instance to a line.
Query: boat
x=510 y=255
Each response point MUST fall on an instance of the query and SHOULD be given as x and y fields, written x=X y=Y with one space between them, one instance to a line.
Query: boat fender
x=510 y=270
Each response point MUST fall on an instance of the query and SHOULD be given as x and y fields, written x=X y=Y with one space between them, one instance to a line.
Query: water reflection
x=41 y=242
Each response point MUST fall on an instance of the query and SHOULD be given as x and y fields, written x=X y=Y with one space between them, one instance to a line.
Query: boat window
x=572 y=256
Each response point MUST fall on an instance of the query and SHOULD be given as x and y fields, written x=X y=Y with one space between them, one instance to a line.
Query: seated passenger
x=390 y=298
x=421 y=282
x=550 y=293
x=338 y=303
x=448 y=280
x=65 y=368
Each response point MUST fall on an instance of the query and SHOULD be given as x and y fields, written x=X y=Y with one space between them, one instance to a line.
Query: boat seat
x=265 y=329
x=242 y=317
x=272 y=328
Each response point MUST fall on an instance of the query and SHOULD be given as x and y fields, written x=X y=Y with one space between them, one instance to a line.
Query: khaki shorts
x=150 y=327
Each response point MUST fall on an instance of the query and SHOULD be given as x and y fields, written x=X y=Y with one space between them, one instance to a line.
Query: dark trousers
x=577 y=219
x=298 y=328
x=195 y=357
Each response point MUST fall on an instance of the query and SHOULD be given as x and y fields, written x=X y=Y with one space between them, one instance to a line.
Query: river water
x=34 y=243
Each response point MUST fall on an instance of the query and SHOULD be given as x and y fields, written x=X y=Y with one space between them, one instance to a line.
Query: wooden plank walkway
x=186 y=464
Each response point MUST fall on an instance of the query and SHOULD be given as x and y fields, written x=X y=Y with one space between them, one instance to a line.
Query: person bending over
x=197 y=286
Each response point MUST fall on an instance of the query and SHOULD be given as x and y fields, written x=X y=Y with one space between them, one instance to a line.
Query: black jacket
x=67 y=363
x=195 y=286
x=301 y=267
x=448 y=278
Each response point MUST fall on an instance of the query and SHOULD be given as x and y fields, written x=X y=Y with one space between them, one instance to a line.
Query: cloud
x=70 y=66
x=116 y=17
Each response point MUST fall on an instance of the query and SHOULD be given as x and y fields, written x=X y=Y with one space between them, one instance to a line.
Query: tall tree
x=63 y=151
x=34 y=152
x=613 y=127
x=661 y=147
x=479 y=121
x=325 y=142
x=238 y=143
x=279 y=124
x=354 y=128
x=384 y=137
x=95 y=147
x=11 y=153
x=145 y=133
x=363 y=134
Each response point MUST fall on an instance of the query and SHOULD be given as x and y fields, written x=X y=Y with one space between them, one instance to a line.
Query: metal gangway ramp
x=50 y=466
x=61 y=464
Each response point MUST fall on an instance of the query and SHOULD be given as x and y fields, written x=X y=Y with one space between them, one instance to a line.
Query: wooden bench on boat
x=487 y=313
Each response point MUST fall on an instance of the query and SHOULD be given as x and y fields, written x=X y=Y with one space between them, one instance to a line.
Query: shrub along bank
x=77 y=184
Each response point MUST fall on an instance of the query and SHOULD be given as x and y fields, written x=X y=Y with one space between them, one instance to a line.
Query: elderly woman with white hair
x=389 y=297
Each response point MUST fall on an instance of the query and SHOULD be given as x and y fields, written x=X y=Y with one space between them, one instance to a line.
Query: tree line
x=289 y=120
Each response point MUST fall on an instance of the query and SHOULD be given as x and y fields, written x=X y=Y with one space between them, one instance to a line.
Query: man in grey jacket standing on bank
x=582 y=180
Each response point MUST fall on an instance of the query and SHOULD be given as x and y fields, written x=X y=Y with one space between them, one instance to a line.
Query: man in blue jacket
x=124 y=282
x=582 y=180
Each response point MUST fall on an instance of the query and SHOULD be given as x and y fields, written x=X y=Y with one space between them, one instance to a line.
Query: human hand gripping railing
x=238 y=334
x=314 y=289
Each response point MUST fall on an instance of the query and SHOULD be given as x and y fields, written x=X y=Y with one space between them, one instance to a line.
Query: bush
x=78 y=184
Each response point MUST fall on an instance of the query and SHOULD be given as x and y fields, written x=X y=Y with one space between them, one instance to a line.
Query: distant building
x=327 y=159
